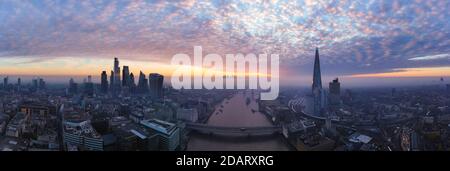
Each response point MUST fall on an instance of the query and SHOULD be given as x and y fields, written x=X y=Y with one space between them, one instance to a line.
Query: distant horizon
x=304 y=82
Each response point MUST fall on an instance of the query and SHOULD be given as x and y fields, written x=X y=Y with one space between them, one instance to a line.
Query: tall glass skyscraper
x=335 y=92
x=117 y=82
x=125 y=76
x=104 y=82
x=156 y=84
x=143 y=83
x=317 y=86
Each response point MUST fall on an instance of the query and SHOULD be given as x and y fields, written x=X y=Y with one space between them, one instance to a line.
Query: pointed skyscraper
x=317 y=78
x=317 y=86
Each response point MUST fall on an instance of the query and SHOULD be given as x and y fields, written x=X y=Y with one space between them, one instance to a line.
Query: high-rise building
x=156 y=85
x=317 y=86
x=5 y=82
x=42 y=84
x=19 y=84
x=38 y=84
x=317 y=77
x=117 y=82
x=132 y=79
x=34 y=86
x=111 y=79
x=104 y=82
x=448 y=88
x=142 y=84
x=111 y=82
x=335 y=92
x=73 y=87
x=126 y=76
x=132 y=84
x=335 y=87
x=89 y=87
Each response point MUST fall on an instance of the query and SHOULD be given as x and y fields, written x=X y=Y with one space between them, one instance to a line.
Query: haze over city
x=362 y=42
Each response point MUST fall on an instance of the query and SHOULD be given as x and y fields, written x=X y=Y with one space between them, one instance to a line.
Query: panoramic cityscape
x=353 y=76
x=119 y=115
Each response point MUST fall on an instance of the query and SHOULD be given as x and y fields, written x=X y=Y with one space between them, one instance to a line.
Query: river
x=236 y=112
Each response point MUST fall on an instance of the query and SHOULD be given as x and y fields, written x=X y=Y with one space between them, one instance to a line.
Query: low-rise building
x=16 y=125
x=82 y=134
x=167 y=134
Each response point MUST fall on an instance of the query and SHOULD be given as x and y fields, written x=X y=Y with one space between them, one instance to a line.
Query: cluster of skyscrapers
x=124 y=83
x=36 y=84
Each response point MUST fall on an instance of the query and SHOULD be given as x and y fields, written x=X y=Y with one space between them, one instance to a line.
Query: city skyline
x=97 y=77
x=407 y=39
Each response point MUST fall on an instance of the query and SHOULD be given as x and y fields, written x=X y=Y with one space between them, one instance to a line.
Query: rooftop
x=359 y=138
x=79 y=127
x=160 y=126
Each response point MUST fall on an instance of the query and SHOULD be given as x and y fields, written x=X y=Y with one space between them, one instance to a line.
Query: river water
x=236 y=112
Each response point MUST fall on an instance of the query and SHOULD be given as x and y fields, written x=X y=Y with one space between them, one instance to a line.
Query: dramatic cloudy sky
x=357 y=38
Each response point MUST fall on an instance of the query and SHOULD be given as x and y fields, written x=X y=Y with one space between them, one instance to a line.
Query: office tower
x=117 y=82
x=132 y=79
x=335 y=87
x=41 y=84
x=38 y=84
x=5 y=82
x=143 y=83
x=111 y=79
x=111 y=82
x=156 y=84
x=317 y=86
x=335 y=92
x=125 y=76
x=116 y=65
x=34 y=86
x=132 y=84
x=448 y=88
x=89 y=87
x=73 y=87
x=19 y=84
x=104 y=82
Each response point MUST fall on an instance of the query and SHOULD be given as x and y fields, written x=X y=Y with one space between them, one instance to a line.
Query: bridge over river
x=225 y=130
x=236 y=125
